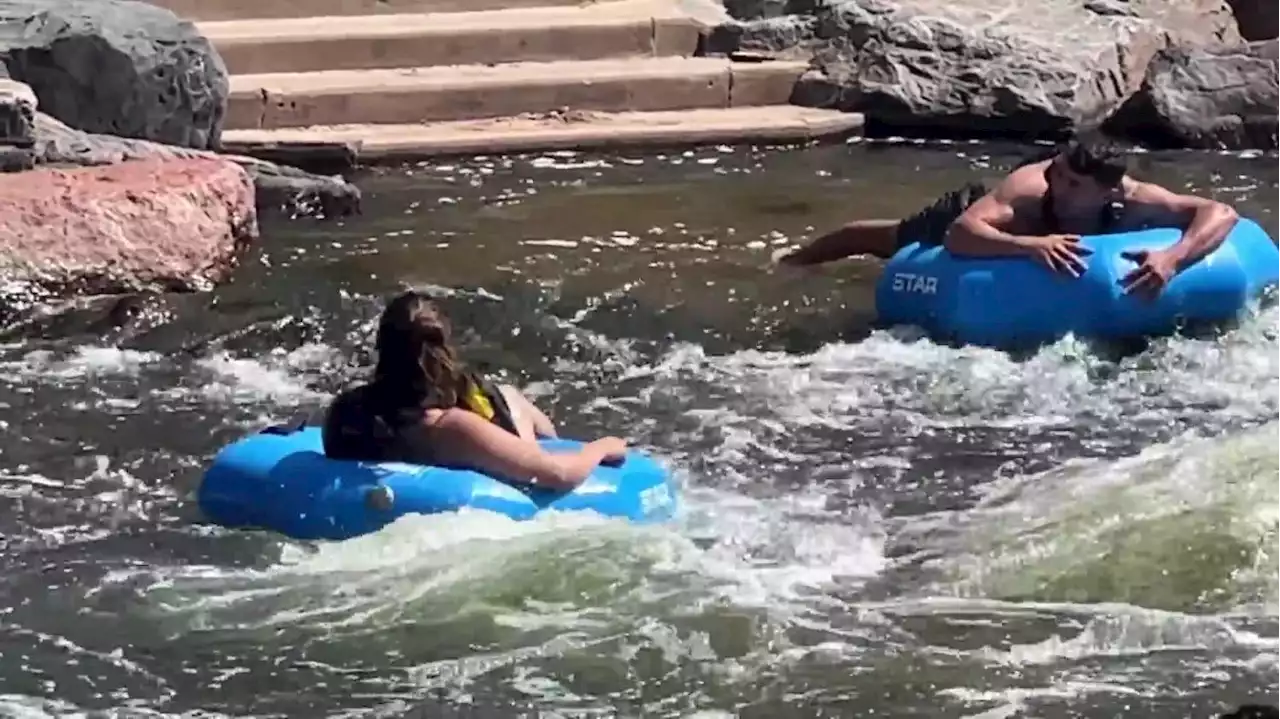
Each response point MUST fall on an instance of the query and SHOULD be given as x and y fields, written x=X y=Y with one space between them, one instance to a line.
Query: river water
x=873 y=525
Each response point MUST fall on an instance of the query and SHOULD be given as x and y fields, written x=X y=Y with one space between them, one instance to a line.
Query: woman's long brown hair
x=418 y=367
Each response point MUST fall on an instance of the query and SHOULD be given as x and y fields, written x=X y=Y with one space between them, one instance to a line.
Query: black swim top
x=1109 y=216
x=362 y=425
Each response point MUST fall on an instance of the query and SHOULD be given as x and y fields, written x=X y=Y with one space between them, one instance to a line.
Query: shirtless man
x=1040 y=211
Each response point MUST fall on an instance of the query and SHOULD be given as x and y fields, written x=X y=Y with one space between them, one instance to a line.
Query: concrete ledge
x=572 y=130
x=630 y=28
x=437 y=94
x=249 y=9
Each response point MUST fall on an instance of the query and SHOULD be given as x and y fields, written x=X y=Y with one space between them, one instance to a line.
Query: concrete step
x=248 y=9
x=628 y=28
x=443 y=93
x=572 y=130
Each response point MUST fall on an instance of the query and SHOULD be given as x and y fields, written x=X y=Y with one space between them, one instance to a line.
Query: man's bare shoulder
x=1142 y=191
x=1147 y=204
x=1025 y=183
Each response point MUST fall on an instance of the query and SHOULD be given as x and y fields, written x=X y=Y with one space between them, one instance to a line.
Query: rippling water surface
x=874 y=525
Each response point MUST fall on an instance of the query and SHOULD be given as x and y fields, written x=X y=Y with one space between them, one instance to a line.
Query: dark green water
x=874 y=525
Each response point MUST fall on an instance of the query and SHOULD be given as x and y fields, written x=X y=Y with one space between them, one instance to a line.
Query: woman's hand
x=613 y=449
x=465 y=439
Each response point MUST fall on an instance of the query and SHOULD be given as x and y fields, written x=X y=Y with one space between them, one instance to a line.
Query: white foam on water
x=1010 y=703
x=741 y=554
x=1167 y=558
x=791 y=560
x=929 y=385
x=1133 y=633
x=21 y=706
x=84 y=363
x=1171 y=527
x=280 y=377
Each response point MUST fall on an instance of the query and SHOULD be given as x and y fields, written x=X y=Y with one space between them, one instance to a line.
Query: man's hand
x=779 y=257
x=1154 y=271
x=783 y=262
x=1059 y=253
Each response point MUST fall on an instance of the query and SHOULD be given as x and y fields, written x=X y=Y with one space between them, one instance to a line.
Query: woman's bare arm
x=462 y=438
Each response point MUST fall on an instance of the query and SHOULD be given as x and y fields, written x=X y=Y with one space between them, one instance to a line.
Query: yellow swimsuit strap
x=477 y=401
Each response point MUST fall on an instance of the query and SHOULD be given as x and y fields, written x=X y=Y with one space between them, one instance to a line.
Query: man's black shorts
x=929 y=225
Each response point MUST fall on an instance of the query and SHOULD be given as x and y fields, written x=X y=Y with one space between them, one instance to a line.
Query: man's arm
x=985 y=229
x=1205 y=223
x=979 y=230
x=860 y=237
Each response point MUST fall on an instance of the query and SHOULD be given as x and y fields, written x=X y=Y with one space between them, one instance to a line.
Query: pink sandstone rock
x=149 y=224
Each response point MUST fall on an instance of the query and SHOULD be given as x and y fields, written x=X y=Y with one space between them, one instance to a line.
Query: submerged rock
x=156 y=224
x=299 y=193
x=116 y=67
x=1207 y=97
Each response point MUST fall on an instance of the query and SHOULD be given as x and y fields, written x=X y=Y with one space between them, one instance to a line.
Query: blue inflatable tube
x=279 y=479
x=1014 y=303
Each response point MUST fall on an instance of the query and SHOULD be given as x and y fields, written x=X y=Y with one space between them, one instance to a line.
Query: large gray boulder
x=1031 y=68
x=1206 y=97
x=116 y=67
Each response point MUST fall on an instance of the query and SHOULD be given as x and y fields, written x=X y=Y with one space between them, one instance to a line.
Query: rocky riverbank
x=167 y=224
x=1181 y=73
x=89 y=86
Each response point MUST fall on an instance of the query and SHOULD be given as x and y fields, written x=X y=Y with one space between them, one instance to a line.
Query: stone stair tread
x=240 y=9
x=348 y=81
x=460 y=92
x=616 y=29
x=549 y=131
x=336 y=27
